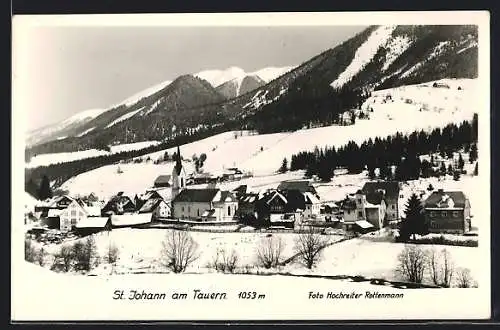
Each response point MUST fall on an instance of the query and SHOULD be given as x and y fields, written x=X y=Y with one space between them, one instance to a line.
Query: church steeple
x=178 y=163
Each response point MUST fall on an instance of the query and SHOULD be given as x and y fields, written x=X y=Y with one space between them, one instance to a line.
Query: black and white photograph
x=258 y=166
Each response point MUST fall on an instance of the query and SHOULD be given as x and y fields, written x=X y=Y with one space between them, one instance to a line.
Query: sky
x=67 y=69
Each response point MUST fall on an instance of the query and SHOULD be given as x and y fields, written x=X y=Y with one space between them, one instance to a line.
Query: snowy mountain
x=311 y=94
x=62 y=129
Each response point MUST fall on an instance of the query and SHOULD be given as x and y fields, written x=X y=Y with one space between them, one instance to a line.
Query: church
x=179 y=176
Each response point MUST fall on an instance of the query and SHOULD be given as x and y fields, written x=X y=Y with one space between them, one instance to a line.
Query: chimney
x=440 y=190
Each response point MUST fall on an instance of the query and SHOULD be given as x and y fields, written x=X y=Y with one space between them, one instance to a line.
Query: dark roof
x=241 y=189
x=391 y=188
x=374 y=198
x=224 y=194
x=178 y=162
x=196 y=195
x=300 y=185
x=457 y=196
x=163 y=179
x=348 y=204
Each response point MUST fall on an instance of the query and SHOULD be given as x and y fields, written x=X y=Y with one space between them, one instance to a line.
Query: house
x=141 y=199
x=299 y=185
x=203 y=178
x=163 y=181
x=301 y=195
x=67 y=218
x=274 y=209
x=331 y=211
x=247 y=211
x=157 y=207
x=390 y=190
x=363 y=212
x=448 y=212
x=210 y=204
x=58 y=202
x=118 y=204
x=241 y=190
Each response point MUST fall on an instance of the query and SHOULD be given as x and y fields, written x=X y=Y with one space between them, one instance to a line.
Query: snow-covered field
x=62 y=157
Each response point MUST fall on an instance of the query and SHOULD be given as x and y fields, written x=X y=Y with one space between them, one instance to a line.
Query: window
x=73 y=213
x=393 y=206
x=433 y=214
x=455 y=214
x=198 y=212
x=229 y=210
x=183 y=209
x=359 y=200
x=182 y=182
x=444 y=214
x=360 y=214
x=189 y=209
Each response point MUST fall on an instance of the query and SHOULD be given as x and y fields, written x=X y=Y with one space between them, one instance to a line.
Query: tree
x=85 y=254
x=224 y=261
x=456 y=175
x=45 y=191
x=473 y=153
x=269 y=252
x=178 y=251
x=450 y=169
x=309 y=246
x=412 y=262
x=442 y=169
x=284 y=166
x=464 y=278
x=112 y=254
x=29 y=250
x=460 y=162
x=325 y=172
x=414 y=221
x=66 y=256
x=441 y=267
x=40 y=256
x=430 y=187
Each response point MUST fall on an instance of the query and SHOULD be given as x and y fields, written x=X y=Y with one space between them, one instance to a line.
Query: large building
x=448 y=212
x=206 y=205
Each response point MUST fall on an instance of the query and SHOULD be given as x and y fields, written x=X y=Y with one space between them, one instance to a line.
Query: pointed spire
x=178 y=163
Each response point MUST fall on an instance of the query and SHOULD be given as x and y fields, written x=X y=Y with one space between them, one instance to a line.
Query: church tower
x=178 y=175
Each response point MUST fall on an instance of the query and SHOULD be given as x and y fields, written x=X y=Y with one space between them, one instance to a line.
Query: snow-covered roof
x=93 y=211
x=54 y=213
x=310 y=198
x=130 y=219
x=364 y=224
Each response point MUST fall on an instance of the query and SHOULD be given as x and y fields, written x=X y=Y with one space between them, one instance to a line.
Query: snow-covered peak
x=83 y=115
x=144 y=93
x=218 y=77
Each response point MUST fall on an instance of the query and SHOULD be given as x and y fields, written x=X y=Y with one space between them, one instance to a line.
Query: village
x=292 y=205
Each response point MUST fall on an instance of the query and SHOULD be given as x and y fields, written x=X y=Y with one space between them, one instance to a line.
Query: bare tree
x=85 y=254
x=309 y=247
x=412 y=263
x=464 y=278
x=64 y=257
x=112 y=254
x=179 y=250
x=40 y=256
x=441 y=267
x=224 y=261
x=29 y=250
x=269 y=252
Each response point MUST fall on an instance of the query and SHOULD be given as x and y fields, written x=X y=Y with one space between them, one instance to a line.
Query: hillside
x=412 y=108
x=314 y=93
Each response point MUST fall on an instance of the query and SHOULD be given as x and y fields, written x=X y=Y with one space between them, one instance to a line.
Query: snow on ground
x=364 y=54
x=364 y=257
x=124 y=117
x=106 y=181
x=62 y=157
x=86 y=131
x=435 y=52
